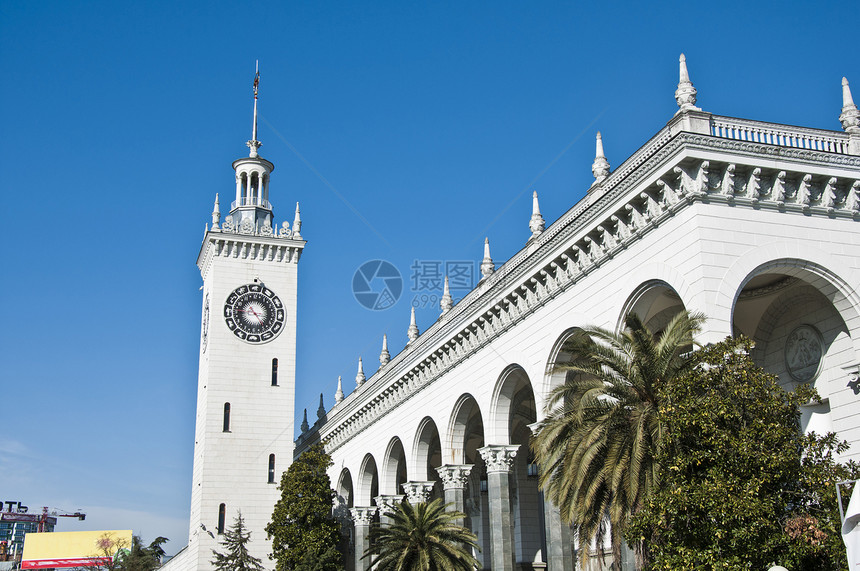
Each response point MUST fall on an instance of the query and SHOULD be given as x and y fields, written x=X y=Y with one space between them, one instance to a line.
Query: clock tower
x=246 y=384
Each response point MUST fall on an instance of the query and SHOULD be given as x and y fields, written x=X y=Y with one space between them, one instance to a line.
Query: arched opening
x=275 y=372
x=467 y=436
x=342 y=502
x=655 y=302
x=797 y=316
x=271 y=472
x=226 y=419
x=222 y=517
x=428 y=456
x=393 y=468
x=514 y=413
x=368 y=482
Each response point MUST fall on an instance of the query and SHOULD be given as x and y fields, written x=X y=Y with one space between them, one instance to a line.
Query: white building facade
x=753 y=224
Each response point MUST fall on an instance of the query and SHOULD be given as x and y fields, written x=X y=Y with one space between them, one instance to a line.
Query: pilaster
x=499 y=460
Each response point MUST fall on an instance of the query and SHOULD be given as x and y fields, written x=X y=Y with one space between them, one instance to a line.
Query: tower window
x=226 y=417
x=275 y=372
x=271 y=468
x=222 y=515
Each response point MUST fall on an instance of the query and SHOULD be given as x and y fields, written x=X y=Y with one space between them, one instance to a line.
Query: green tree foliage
x=597 y=445
x=423 y=537
x=235 y=556
x=117 y=555
x=302 y=522
x=327 y=560
x=741 y=487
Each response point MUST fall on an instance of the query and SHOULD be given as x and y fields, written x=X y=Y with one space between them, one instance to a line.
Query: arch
x=393 y=467
x=655 y=301
x=344 y=489
x=465 y=431
x=507 y=396
x=553 y=378
x=368 y=482
x=799 y=259
x=427 y=454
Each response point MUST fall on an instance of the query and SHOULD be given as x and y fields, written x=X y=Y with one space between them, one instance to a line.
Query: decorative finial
x=412 y=332
x=537 y=223
x=447 y=301
x=359 y=377
x=321 y=409
x=685 y=95
x=384 y=355
x=297 y=224
x=487 y=265
x=216 y=216
x=305 y=425
x=338 y=395
x=600 y=166
x=254 y=144
x=850 y=116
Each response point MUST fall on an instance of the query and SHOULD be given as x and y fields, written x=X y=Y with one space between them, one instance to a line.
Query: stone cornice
x=664 y=176
x=248 y=247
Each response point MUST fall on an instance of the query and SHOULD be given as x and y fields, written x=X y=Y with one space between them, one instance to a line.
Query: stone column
x=499 y=460
x=387 y=504
x=559 y=555
x=417 y=492
x=362 y=518
x=454 y=478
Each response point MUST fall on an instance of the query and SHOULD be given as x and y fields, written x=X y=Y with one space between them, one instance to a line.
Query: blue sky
x=406 y=130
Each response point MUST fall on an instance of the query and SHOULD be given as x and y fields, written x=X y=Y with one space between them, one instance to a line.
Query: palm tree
x=423 y=537
x=597 y=444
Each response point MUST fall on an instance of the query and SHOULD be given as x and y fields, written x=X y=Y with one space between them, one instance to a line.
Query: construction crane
x=55 y=513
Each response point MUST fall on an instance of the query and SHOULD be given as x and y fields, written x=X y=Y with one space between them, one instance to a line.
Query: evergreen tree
x=235 y=544
x=302 y=523
x=741 y=486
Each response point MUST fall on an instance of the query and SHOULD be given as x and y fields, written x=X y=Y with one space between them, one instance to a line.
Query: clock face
x=205 y=339
x=254 y=313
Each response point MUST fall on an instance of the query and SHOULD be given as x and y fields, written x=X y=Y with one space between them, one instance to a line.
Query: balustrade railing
x=781 y=135
x=251 y=201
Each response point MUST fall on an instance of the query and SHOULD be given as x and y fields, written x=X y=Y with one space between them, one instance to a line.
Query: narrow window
x=226 y=417
x=222 y=514
x=271 y=468
x=275 y=372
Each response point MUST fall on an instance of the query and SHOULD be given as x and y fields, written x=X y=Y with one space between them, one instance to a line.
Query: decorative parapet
x=780 y=135
x=657 y=181
x=499 y=458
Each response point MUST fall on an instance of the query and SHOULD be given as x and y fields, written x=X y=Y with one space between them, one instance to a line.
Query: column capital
x=417 y=492
x=454 y=476
x=499 y=458
x=388 y=503
x=362 y=515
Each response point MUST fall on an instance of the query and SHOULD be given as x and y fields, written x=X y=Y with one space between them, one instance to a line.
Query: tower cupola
x=251 y=212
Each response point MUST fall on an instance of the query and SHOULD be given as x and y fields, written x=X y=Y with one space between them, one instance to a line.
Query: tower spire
x=850 y=116
x=685 y=95
x=384 y=355
x=600 y=166
x=487 y=265
x=447 y=302
x=536 y=223
x=254 y=144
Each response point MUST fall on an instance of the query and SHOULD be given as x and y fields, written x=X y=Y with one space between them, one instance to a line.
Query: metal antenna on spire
x=254 y=144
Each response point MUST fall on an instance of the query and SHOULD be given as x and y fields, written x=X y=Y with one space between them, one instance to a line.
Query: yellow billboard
x=73 y=548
